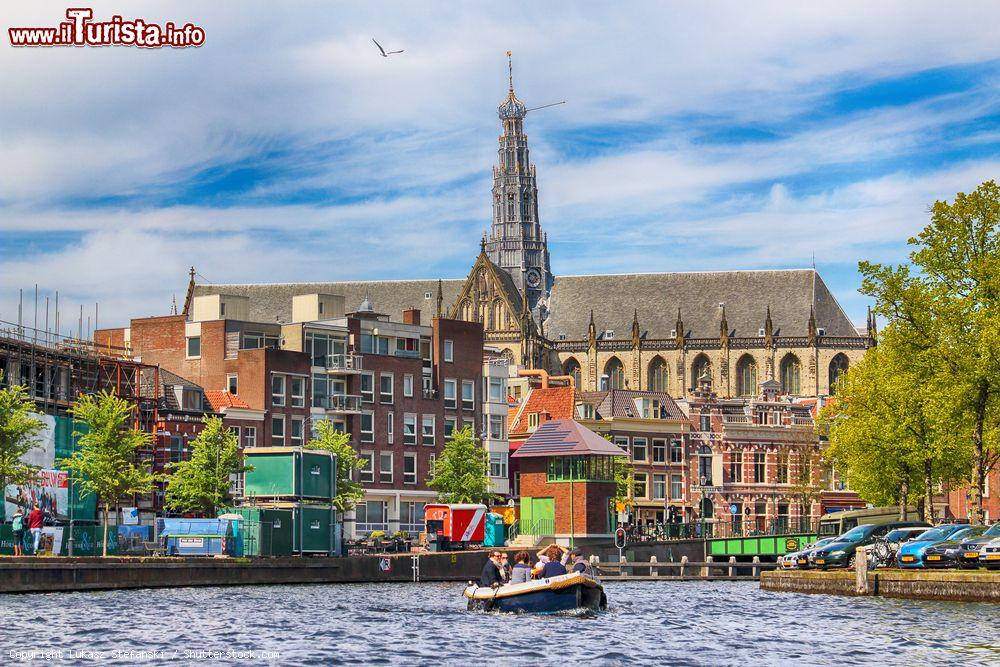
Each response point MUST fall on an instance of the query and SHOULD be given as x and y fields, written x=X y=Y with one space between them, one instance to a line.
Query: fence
x=719 y=529
x=683 y=570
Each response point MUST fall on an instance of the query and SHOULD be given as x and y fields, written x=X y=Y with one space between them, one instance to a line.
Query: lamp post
x=69 y=495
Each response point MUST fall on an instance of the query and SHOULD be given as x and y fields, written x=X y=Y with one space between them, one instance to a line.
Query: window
x=235 y=430
x=192 y=399
x=659 y=487
x=385 y=388
x=253 y=340
x=659 y=451
x=580 y=468
x=450 y=393
x=468 y=394
x=676 y=452
x=371 y=515
x=366 y=471
x=676 y=487
x=368 y=387
x=278 y=430
x=657 y=376
x=759 y=459
x=367 y=427
x=298 y=392
x=408 y=386
x=572 y=368
x=321 y=347
x=407 y=347
x=411 y=517
x=194 y=347
x=532 y=421
x=431 y=464
x=277 y=390
x=705 y=466
x=702 y=367
x=497 y=427
x=449 y=426
x=321 y=390
x=449 y=350
x=639 y=483
x=469 y=424
x=409 y=468
x=498 y=390
x=427 y=430
x=250 y=436
x=838 y=366
x=409 y=429
x=782 y=471
x=791 y=375
x=623 y=442
x=232 y=384
x=374 y=344
x=736 y=467
x=298 y=431
x=705 y=420
x=615 y=373
x=639 y=452
x=746 y=376
x=389 y=427
x=385 y=467
x=176 y=449
x=498 y=464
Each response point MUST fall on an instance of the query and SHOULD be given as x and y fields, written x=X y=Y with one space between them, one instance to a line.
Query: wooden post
x=707 y=571
x=623 y=569
x=684 y=562
x=653 y=571
x=756 y=567
x=861 y=572
x=732 y=566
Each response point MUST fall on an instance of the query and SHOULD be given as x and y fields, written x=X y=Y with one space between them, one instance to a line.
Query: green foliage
x=349 y=492
x=19 y=434
x=947 y=305
x=105 y=461
x=201 y=484
x=624 y=475
x=460 y=474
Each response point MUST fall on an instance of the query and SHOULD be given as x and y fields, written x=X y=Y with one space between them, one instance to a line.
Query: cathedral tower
x=516 y=242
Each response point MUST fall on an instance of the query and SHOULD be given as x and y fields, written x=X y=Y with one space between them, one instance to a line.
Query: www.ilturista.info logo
x=80 y=30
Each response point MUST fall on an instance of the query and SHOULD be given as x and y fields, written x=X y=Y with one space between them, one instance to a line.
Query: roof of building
x=566 y=437
x=168 y=380
x=613 y=298
x=557 y=401
x=620 y=403
x=221 y=400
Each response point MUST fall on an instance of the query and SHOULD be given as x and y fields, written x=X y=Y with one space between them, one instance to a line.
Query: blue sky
x=706 y=137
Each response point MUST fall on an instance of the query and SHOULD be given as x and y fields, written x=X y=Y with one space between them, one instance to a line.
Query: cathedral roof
x=658 y=296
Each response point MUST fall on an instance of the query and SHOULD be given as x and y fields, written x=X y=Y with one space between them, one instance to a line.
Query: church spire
x=510 y=73
x=635 y=328
x=723 y=328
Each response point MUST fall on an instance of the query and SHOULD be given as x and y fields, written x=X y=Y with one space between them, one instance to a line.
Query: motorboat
x=566 y=592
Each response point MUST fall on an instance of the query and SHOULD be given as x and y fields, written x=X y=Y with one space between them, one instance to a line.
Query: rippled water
x=703 y=623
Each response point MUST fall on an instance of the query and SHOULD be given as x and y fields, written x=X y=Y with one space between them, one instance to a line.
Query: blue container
x=198 y=537
x=494 y=532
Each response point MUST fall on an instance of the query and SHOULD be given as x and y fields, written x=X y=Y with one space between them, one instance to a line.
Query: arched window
x=746 y=376
x=657 y=375
x=791 y=375
x=616 y=374
x=838 y=366
x=707 y=509
x=572 y=368
x=702 y=365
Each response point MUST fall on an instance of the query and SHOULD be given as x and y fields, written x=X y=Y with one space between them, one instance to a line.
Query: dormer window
x=532 y=421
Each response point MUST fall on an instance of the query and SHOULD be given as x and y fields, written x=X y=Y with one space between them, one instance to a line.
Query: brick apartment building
x=398 y=387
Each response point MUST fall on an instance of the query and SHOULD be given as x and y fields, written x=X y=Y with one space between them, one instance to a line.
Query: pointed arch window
x=791 y=375
x=615 y=372
x=746 y=376
x=838 y=366
x=572 y=368
x=702 y=365
x=657 y=375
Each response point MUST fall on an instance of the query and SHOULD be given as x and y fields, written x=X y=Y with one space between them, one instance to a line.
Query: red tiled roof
x=565 y=437
x=223 y=399
x=557 y=401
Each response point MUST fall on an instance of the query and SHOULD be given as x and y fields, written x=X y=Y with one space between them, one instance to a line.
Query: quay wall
x=955 y=585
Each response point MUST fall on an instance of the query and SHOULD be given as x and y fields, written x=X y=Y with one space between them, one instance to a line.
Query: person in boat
x=580 y=563
x=522 y=568
x=505 y=568
x=490 y=577
x=554 y=567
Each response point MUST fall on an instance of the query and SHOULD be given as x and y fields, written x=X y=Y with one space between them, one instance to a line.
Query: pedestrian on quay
x=36 y=519
x=17 y=524
x=521 y=571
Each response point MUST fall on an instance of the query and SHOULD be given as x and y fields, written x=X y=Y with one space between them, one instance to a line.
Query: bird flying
x=385 y=54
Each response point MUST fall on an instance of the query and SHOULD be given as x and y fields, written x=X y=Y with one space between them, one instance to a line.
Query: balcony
x=343 y=404
x=409 y=354
x=343 y=364
x=431 y=394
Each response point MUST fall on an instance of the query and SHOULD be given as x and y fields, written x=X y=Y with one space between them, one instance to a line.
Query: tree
x=19 y=434
x=460 y=475
x=328 y=438
x=105 y=462
x=805 y=488
x=202 y=484
x=949 y=307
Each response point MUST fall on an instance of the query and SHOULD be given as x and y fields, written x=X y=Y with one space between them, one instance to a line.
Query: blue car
x=911 y=554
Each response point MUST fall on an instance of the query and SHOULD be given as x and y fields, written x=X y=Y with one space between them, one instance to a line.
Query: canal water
x=669 y=623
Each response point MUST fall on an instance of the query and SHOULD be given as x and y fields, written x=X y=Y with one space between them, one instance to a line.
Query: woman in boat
x=554 y=567
x=522 y=568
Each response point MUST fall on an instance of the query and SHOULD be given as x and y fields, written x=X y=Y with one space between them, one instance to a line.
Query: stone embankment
x=957 y=585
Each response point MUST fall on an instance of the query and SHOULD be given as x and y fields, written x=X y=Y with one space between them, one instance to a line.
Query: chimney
x=411 y=316
x=544 y=416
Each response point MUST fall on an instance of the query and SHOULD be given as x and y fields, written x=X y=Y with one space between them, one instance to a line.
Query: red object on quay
x=456 y=523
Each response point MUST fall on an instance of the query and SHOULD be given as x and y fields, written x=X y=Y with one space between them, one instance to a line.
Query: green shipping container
x=315 y=529
x=290 y=473
x=266 y=531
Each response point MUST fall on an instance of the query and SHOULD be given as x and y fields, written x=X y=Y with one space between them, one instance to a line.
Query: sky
x=695 y=136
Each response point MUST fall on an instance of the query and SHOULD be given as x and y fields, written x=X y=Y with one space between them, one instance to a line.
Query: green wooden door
x=543 y=512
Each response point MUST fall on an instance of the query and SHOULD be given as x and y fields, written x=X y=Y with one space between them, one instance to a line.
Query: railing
x=339 y=403
x=730 y=570
x=736 y=419
x=538 y=527
x=410 y=354
x=430 y=394
x=343 y=363
x=721 y=529
x=513 y=530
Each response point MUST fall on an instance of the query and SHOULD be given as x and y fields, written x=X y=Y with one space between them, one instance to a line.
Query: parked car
x=802 y=557
x=897 y=537
x=990 y=556
x=787 y=562
x=841 y=552
x=971 y=546
x=911 y=554
x=948 y=553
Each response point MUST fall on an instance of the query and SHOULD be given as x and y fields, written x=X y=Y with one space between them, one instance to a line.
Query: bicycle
x=879 y=553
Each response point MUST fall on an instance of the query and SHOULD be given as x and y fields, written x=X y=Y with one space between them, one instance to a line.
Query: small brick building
x=567 y=482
